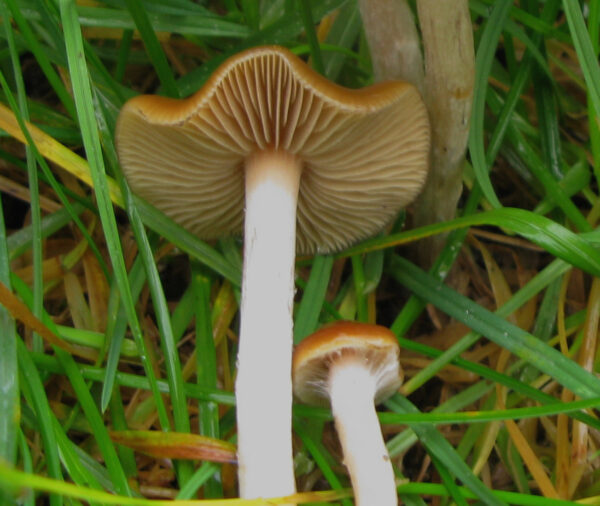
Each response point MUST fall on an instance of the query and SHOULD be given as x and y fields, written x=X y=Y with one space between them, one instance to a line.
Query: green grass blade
x=320 y=456
x=200 y=477
x=186 y=241
x=537 y=167
x=448 y=481
x=197 y=24
x=551 y=236
x=27 y=464
x=153 y=47
x=483 y=64
x=546 y=102
x=20 y=241
x=106 y=447
x=438 y=418
x=594 y=34
x=36 y=396
x=549 y=274
x=83 y=99
x=116 y=327
x=343 y=33
x=119 y=422
x=206 y=361
x=506 y=335
x=358 y=277
x=440 y=268
x=163 y=317
x=313 y=297
x=50 y=177
x=50 y=364
x=34 y=189
x=42 y=58
x=304 y=6
x=585 y=51
x=9 y=370
x=437 y=445
x=251 y=10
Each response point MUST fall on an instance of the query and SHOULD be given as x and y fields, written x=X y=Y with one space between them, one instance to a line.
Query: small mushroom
x=354 y=366
x=307 y=166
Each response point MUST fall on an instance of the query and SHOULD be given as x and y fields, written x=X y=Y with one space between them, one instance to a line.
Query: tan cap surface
x=374 y=345
x=364 y=152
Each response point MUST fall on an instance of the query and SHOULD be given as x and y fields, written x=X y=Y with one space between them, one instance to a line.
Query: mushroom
x=354 y=366
x=269 y=136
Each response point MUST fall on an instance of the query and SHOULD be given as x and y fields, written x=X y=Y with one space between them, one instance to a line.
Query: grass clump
x=113 y=319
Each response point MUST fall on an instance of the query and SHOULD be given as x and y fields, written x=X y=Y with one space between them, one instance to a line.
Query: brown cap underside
x=364 y=152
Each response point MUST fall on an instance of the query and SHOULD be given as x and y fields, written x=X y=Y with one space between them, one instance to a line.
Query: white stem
x=264 y=378
x=352 y=393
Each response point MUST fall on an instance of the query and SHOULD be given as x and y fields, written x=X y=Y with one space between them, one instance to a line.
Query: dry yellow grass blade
x=55 y=152
x=22 y=193
x=501 y=288
x=325 y=25
x=19 y=479
x=21 y=312
x=502 y=294
x=97 y=291
x=52 y=270
x=587 y=352
x=222 y=324
x=520 y=441
x=531 y=461
x=562 y=461
x=449 y=374
x=78 y=307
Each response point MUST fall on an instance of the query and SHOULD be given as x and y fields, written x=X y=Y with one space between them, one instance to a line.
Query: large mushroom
x=354 y=366
x=269 y=142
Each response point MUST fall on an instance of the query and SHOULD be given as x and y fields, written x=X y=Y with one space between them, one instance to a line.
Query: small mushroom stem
x=264 y=378
x=352 y=388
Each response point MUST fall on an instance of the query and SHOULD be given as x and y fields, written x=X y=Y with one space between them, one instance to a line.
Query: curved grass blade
x=32 y=176
x=11 y=479
x=50 y=364
x=483 y=64
x=176 y=445
x=506 y=335
x=26 y=133
x=154 y=49
x=9 y=371
x=437 y=445
x=510 y=497
x=200 y=24
x=83 y=100
x=585 y=51
x=320 y=455
x=116 y=328
x=304 y=6
x=206 y=363
x=42 y=59
x=438 y=418
x=111 y=459
x=554 y=238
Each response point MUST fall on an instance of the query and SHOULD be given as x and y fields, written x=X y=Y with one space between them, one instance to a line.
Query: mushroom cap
x=364 y=153
x=376 y=347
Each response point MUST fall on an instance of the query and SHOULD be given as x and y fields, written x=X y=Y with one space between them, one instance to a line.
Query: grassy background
x=114 y=319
